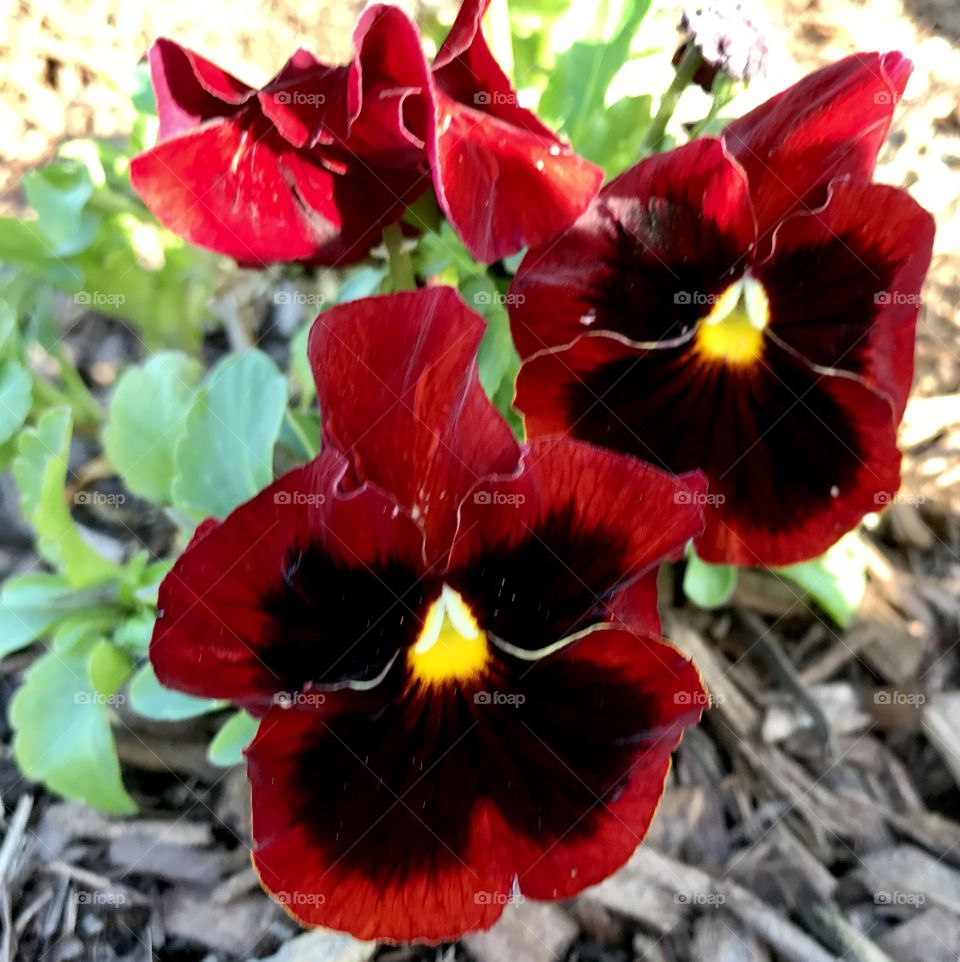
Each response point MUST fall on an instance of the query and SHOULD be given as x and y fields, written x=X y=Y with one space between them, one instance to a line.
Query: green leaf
x=148 y=416
x=20 y=626
x=40 y=472
x=836 y=580
x=708 y=585
x=133 y=634
x=109 y=668
x=32 y=604
x=613 y=138
x=155 y=701
x=62 y=733
x=59 y=193
x=81 y=629
x=226 y=748
x=23 y=244
x=362 y=282
x=226 y=454
x=8 y=328
x=576 y=92
x=15 y=388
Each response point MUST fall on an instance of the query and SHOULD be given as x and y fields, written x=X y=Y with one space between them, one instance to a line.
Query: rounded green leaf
x=707 y=585
x=109 y=668
x=155 y=701
x=226 y=453
x=837 y=580
x=148 y=416
x=226 y=748
x=15 y=387
x=62 y=732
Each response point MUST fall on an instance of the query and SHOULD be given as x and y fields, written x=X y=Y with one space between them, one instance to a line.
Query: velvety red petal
x=504 y=179
x=466 y=71
x=544 y=554
x=190 y=89
x=309 y=101
x=504 y=188
x=793 y=458
x=642 y=261
x=416 y=421
x=392 y=68
x=830 y=124
x=220 y=187
x=298 y=587
x=409 y=814
x=349 y=209
x=844 y=284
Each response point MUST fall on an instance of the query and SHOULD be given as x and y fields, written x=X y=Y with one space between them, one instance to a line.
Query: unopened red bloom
x=313 y=165
x=310 y=167
x=451 y=640
x=746 y=306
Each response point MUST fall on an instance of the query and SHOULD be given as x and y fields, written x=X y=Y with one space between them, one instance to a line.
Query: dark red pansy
x=310 y=167
x=698 y=316
x=451 y=639
x=504 y=180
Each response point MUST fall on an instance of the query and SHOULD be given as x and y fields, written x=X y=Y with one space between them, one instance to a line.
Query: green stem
x=85 y=406
x=87 y=415
x=686 y=70
x=401 y=267
x=723 y=91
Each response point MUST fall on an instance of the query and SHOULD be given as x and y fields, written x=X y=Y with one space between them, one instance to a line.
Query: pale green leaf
x=155 y=701
x=15 y=387
x=836 y=580
x=226 y=454
x=708 y=585
x=62 y=733
x=226 y=748
x=40 y=471
x=148 y=416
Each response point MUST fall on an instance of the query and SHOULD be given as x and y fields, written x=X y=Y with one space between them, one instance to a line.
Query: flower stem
x=723 y=91
x=686 y=70
x=401 y=267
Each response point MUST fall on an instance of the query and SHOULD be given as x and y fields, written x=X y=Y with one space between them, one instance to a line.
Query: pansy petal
x=543 y=555
x=298 y=587
x=504 y=179
x=190 y=89
x=220 y=187
x=793 y=458
x=660 y=239
x=830 y=124
x=418 y=814
x=309 y=101
x=844 y=284
x=504 y=188
x=392 y=68
x=416 y=421
x=349 y=209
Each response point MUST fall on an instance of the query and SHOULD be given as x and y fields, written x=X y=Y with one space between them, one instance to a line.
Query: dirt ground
x=814 y=816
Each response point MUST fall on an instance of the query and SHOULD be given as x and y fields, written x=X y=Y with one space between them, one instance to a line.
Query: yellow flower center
x=733 y=330
x=451 y=646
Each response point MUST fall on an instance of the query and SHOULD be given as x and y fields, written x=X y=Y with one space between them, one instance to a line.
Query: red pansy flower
x=745 y=306
x=451 y=640
x=504 y=180
x=310 y=167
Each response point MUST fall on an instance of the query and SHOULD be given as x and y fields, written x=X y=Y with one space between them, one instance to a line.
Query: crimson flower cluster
x=314 y=164
x=450 y=637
